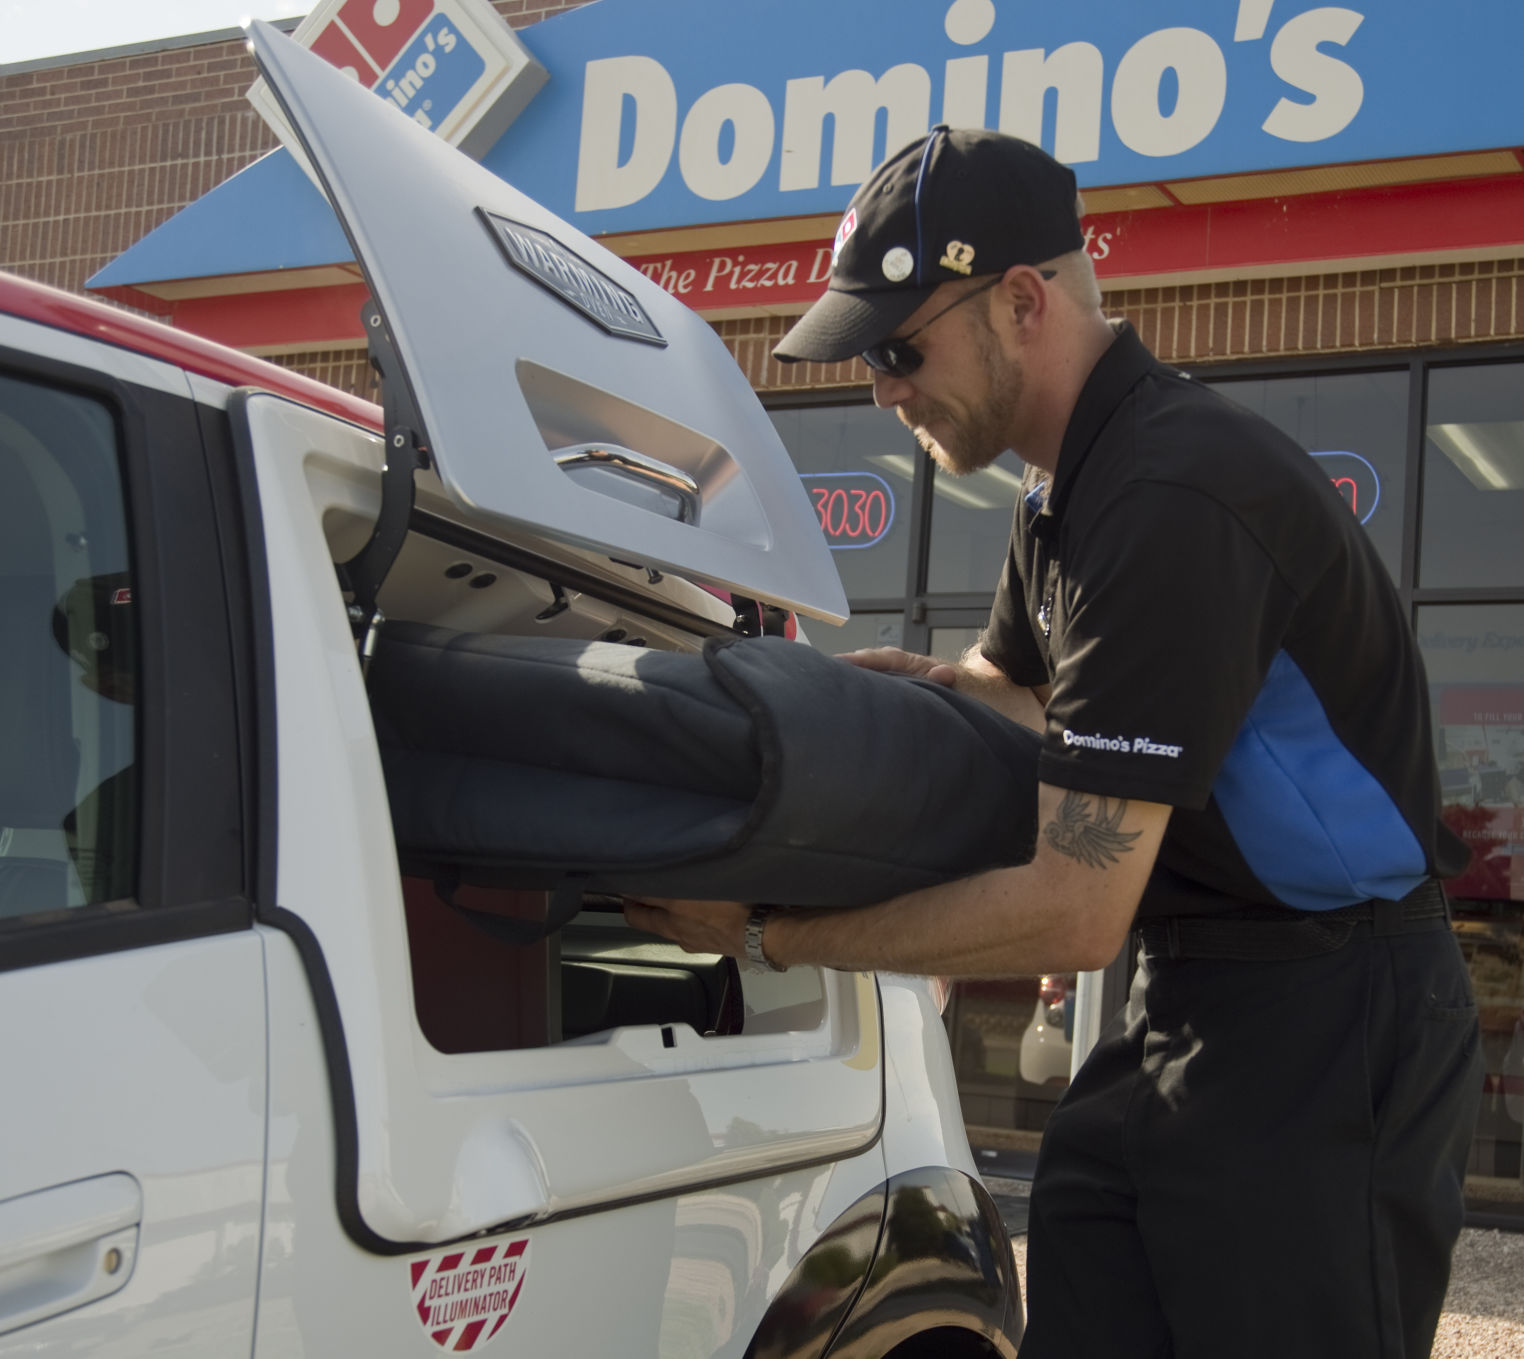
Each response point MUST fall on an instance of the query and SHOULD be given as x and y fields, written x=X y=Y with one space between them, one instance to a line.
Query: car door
x=642 y=1181
x=645 y=1186
x=132 y=1072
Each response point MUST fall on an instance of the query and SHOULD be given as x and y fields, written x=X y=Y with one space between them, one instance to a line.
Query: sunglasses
x=897 y=357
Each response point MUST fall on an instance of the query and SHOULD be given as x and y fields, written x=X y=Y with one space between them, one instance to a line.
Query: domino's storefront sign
x=454 y=66
x=659 y=114
x=676 y=112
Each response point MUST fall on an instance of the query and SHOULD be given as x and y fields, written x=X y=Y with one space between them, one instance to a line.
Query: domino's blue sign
x=671 y=112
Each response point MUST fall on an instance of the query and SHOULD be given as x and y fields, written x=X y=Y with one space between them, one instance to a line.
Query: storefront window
x=858 y=465
x=971 y=526
x=1475 y=659
x=1356 y=426
x=1473 y=477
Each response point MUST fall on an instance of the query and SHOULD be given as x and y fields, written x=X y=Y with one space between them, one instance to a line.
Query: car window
x=68 y=633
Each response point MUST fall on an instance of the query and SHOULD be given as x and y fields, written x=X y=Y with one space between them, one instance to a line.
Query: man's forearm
x=1067 y=910
x=981 y=678
x=1001 y=923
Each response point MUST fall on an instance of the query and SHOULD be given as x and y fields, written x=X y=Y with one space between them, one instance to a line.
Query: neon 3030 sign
x=1356 y=480
x=855 y=509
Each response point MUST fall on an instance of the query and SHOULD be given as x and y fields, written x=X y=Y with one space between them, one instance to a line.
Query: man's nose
x=889 y=391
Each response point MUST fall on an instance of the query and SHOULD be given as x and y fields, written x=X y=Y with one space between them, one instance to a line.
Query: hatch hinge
x=757 y=619
x=407 y=453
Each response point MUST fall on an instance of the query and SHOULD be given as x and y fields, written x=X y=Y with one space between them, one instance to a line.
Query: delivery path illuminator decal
x=656 y=115
x=463 y=1297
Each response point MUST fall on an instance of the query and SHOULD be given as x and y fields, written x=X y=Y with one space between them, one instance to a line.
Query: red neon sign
x=855 y=509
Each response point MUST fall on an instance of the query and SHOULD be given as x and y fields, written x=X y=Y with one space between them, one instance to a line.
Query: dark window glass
x=1473 y=477
x=1356 y=425
x=971 y=526
x=858 y=632
x=68 y=636
x=857 y=464
x=1475 y=659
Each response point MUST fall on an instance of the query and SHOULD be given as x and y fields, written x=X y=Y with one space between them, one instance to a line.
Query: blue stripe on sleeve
x=1312 y=822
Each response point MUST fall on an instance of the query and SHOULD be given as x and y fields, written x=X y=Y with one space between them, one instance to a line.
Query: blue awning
x=268 y=216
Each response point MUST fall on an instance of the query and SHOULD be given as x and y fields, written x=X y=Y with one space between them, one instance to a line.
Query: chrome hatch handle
x=626 y=462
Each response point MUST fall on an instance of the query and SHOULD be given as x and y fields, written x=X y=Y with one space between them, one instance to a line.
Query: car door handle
x=63 y=1247
x=683 y=491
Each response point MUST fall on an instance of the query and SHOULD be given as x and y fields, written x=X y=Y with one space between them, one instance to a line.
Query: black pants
x=1261 y=1159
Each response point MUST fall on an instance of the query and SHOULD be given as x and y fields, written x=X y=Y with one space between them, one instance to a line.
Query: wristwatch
x=756 y=922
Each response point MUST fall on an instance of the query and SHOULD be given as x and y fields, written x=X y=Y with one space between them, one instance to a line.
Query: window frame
x=192 y=879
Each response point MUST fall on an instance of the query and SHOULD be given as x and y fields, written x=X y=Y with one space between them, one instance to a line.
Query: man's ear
x=1022 y=297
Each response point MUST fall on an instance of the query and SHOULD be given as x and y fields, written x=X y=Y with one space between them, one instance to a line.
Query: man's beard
x=982 y=433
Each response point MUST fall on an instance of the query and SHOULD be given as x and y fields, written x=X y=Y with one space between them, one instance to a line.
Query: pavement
x=1484 y=1308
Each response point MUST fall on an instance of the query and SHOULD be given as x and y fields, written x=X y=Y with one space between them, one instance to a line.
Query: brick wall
x=94 y=155
x=1410 y=308
x=347 y=369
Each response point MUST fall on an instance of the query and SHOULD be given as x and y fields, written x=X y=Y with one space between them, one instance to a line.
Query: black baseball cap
x=953 y=204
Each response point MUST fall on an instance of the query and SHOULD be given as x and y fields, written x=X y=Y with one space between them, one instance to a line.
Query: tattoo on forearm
x=1087 y=829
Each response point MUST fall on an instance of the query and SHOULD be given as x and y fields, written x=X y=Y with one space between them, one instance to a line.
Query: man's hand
x=974 y=674
x=892 y=661
x=696 y=926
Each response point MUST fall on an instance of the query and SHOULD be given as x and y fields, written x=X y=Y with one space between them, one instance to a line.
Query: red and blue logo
x=412 y=52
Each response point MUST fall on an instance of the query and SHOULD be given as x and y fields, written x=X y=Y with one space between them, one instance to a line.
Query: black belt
x=1268 y=934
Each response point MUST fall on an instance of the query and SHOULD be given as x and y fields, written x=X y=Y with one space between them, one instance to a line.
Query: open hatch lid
x=562 y=393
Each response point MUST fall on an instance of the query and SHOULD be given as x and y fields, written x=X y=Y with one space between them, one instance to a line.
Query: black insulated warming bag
x=759 y=770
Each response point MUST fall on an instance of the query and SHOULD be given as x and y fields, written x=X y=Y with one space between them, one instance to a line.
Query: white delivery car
x=259 y=1093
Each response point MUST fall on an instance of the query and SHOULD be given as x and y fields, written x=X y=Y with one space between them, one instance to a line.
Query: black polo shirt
x=1220 y=636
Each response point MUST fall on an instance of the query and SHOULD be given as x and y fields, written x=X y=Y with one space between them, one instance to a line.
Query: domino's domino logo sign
x=427 y=78
x=453 y=66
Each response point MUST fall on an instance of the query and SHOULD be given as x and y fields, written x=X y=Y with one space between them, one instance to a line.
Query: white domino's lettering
x=1164 y=95
x=1122 y=745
